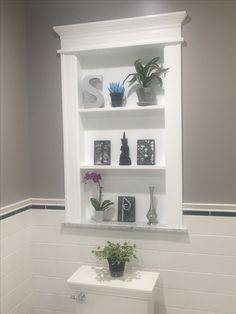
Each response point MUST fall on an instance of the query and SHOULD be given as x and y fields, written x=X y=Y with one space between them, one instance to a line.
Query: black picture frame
x=126 y=208
x=146 y=152
x=102 y=152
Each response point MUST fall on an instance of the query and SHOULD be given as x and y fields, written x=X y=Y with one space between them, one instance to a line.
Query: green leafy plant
x=116 y=252
x=116 y=88
x=100 y=206
x=147 y=74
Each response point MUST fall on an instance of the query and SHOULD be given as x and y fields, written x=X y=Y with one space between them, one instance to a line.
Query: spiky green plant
x=146 y=74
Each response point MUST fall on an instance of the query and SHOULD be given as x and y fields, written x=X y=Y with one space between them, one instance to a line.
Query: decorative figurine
x=92 y=97
x=152 y=215
x=124 y=156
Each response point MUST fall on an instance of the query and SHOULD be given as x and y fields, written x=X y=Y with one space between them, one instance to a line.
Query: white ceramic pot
x=99 y=215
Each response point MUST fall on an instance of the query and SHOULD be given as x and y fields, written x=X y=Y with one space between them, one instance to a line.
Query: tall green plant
x=147 y=74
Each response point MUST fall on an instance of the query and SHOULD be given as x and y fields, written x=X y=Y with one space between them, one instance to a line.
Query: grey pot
x=146 y=96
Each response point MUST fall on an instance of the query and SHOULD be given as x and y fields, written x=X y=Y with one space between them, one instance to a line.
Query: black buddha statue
x=124 y=156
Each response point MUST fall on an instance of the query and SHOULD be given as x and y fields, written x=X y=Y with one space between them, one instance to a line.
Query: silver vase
x=152 y=214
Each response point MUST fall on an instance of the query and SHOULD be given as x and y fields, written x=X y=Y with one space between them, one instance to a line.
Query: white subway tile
x=53 y=268
x=53 y=302
x=13 y=242
x=24 y=307
x=15 y=278
x=225 y=284
x=47 y=217
x=16 y=296
x=15 y=223
x=220 y=303
x=50 y=285
x=212 y=225
x=17 y=259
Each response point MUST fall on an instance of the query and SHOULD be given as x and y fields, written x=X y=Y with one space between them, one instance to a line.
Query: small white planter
x=99 y=215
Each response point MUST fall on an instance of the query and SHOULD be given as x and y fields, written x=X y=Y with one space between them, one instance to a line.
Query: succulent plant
x=146 y=74
x=116 y=87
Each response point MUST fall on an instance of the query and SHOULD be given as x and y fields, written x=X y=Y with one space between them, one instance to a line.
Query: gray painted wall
x=14 y=134
x=209 y=114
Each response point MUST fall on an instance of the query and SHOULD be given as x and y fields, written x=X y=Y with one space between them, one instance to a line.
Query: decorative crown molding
x=152 y=29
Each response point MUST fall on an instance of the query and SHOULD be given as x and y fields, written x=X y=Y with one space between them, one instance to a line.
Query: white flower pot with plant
x=99 y=205
x=147 y=77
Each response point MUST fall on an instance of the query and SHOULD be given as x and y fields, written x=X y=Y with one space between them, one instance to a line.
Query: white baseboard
x=30 y=202
x=48 y=201
x=209 y=207
x=14 y=206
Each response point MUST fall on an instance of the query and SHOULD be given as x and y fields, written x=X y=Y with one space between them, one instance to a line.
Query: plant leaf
x=138 y=66
x=154 y=60
x=106 y=202
x=106 y=205
x=95 y=203
x=152 y=78
x=151 y=67
x=132 y=74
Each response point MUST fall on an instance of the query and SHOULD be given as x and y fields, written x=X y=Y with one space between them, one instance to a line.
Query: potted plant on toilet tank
x=117 y=254
x=147 y=77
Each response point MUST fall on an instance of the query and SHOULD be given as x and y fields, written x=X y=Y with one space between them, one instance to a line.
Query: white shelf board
x=125 y=226
x=128 y=168
x=134 y=111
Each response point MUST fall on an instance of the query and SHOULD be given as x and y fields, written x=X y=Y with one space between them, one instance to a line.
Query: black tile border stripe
x=196 y=212
x=56 y=207
x=20 y=210
x=14 y=212
x=209 y=213
x=186 y=212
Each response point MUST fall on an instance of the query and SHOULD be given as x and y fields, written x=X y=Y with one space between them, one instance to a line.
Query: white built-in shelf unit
x=109 y=48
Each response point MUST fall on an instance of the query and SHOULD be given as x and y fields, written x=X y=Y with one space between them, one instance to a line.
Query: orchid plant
x=98 y=204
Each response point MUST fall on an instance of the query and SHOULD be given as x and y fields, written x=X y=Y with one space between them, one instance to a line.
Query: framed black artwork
x=126 y=208
x=146 y=152
x=102 y=152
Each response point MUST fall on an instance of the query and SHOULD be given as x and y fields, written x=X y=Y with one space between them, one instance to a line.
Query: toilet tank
x=96 y=292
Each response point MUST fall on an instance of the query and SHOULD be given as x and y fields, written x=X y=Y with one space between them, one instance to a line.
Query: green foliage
x=146 y=74
x=100 y=206
x=116 y=252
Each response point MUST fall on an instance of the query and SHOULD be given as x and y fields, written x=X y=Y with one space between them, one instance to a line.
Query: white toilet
x=96 y=292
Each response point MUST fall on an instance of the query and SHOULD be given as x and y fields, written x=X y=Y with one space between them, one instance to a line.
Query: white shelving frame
x=123 y=39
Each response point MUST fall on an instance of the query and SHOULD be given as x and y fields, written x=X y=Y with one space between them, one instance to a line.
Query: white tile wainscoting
x=197 y=268
x=16 y=264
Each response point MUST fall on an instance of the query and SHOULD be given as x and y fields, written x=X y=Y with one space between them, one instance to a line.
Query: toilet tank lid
x=133 y=283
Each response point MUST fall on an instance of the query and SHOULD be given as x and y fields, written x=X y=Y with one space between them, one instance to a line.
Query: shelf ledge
x=128 y=168
x=125 y=226
x=128 y=111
